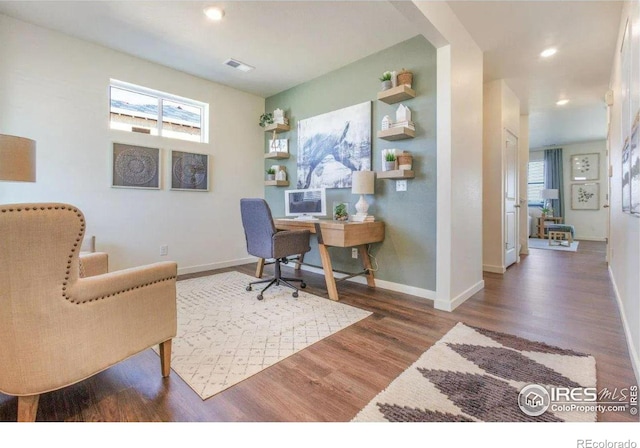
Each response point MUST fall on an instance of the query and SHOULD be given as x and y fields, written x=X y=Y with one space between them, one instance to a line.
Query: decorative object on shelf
x=135 y=167
x=585 y=196
x=585 y=166
x=405 y=77
x=390 y=161
x=279 y=145
x=405 y=161
x=386 y=122
x=341 y=211
x=279 y=118
x=363 y=182
x=189 y=171
x=17 y=159
x=394 y=79
x=548 y=194
x=332 y=145
x=266 y=119
x=386 y=81
x=281 y=173
x=271 y=174
x=403 y=118
x=384 y=153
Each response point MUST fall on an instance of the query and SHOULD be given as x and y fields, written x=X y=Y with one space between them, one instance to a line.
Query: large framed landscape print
x=135 y=167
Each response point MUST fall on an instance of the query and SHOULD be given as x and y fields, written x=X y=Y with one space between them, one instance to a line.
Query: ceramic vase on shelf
x=271 y=177
x=389 y=166
x=386 y=85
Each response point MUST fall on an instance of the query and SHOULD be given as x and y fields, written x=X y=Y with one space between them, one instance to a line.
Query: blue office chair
x=264 y=241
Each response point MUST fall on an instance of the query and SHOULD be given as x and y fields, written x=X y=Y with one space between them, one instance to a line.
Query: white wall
x=501 y=113
x=459 y=135
x=54 y=89
x=523 y=162
x=588 y=224
x=624 y=264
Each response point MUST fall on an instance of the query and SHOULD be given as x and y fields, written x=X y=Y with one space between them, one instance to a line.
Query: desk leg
x=366 y=263
x=328 y=272
x=300 y=260
x=260 y=267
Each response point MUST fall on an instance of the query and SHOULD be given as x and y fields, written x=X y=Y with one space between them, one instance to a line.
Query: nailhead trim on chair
x=80 y=235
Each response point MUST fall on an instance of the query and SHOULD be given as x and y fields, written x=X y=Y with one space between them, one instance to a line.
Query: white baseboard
x=633 y=352
x=392 y=286
x=589 y=238
x=494 y=269
x=212 y=266
x=450 y=305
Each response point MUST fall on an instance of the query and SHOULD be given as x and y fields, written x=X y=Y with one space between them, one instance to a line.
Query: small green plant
x=266 y=119
x=340 y=213
x=271 y=171
x=545 y=211
x=390 y=157
x=386 y=76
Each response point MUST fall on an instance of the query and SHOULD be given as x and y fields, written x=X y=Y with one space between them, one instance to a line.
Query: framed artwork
x=189 y=171
x=585 y=196
x=135 y=167
x=279 y=145
x=634 y=170
x=626 y=178
x=585 y=167
x=333 y=145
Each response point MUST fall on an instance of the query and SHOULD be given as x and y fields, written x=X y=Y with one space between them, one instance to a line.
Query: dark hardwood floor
x=564 y=299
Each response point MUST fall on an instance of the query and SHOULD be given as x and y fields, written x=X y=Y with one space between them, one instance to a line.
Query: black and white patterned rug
x=473 y=374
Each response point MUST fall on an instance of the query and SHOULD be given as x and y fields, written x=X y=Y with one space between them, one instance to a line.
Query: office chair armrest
x=290 y=242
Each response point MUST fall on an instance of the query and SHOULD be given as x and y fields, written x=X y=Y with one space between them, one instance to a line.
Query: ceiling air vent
x=238 y=65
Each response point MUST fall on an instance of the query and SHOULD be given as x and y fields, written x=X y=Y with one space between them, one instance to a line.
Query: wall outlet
x=354 y=253
x=401 y=185
x=164 y=251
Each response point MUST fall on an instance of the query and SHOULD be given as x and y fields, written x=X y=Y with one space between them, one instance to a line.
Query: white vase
x=386 y=85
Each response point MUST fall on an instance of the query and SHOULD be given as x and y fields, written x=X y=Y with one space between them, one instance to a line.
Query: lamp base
x=362 y=206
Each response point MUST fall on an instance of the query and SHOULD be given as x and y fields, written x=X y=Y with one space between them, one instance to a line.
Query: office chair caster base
x=260 y=297
x=303 y=285
x=295 y=294
x=249 y=288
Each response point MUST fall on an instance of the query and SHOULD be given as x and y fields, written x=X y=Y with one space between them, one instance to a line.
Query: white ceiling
x=292 y=42
x=512 y=35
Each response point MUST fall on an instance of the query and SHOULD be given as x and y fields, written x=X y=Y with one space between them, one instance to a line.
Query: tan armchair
x=57 y=328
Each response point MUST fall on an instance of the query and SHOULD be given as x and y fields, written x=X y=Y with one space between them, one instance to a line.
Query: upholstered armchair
x=58 y=328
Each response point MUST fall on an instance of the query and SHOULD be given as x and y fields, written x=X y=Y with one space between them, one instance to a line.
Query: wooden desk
x=541 y=221
x=336 y=234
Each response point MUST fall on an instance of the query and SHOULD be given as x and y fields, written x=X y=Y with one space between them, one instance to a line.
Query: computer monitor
x=305 y=204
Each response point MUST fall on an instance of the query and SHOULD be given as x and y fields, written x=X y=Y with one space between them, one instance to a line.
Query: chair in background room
x=58 y=328
x=264 y=241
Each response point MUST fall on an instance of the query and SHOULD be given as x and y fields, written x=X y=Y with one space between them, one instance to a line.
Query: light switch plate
x=401 y=185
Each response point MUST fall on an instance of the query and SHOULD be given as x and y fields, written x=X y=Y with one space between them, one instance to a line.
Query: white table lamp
x=362 y=182
x=548 y=194
x=17 y=159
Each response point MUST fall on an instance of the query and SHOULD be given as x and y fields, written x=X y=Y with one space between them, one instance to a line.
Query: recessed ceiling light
x=562 y=102
x=548 y=52
x=234 y=63
x=214 y=13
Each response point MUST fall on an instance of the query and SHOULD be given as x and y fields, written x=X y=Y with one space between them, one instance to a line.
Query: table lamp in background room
x=548 y=194
x=17 y=159
x=362 y=182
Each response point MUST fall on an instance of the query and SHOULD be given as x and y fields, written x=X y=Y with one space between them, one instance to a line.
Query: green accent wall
x=408 y=253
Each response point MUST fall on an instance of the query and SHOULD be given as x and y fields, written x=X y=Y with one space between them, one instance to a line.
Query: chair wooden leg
x=165 y=358
x=28 y=408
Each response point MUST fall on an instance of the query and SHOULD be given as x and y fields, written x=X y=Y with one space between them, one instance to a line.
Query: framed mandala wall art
x=189 y=171
x=135 y=167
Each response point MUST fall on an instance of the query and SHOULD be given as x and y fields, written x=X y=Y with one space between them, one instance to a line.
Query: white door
x=511 y=205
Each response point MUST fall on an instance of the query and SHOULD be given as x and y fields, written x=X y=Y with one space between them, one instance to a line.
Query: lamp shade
x=17 y=158
x=549 y=193
x=363 y=182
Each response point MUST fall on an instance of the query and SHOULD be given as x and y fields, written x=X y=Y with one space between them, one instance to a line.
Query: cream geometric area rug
x=226 y=335
x=472 y=374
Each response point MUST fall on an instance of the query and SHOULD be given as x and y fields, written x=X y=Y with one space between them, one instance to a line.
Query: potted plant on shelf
x=390 y=162
x=386 y=80
x=266 y=119
x=271 y=174
x=340 y=212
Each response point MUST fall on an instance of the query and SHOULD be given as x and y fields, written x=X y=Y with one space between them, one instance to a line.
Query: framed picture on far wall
x=626 y=179
x=189 y=171
x=585 y=196
x=135 y=167
x=585 y=167
x=634 y=170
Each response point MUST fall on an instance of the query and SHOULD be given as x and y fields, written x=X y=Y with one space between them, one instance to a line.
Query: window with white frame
x=536 y=178
x=139 y=109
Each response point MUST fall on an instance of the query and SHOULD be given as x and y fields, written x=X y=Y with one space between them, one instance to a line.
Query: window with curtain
x=536 y=182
